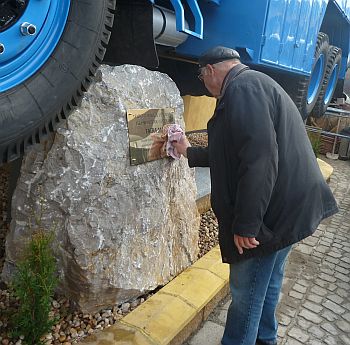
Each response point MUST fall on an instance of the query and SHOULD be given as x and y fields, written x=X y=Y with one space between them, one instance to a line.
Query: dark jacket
x=265 y=180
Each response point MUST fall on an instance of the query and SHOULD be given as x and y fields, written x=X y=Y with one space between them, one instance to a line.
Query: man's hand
x=245 y=242
x=182 y=145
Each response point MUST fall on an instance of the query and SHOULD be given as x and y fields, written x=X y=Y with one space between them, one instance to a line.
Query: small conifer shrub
x=33 y=285
x=315 y=140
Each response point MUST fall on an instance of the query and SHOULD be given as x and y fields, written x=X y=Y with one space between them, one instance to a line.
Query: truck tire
x=305 y=92
x=329 y=81
x=42 y=93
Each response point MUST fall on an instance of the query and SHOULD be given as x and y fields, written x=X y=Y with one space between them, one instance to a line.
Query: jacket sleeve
x=198 y=156
x=253 y=143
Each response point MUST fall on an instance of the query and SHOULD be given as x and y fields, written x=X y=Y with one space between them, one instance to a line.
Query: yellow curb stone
x=118 y=334
x=175 y=311
x=213 y=263
x=326 y=169
x=161 y=317
x=221 y=270
x=195 y=286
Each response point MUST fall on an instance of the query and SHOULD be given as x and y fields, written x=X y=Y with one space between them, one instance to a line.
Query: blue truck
x=51 y=49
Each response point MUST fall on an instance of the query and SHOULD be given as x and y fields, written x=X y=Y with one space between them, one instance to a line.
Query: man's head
x=214 y=65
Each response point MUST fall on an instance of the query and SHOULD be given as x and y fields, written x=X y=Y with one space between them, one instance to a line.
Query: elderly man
x=266 y=188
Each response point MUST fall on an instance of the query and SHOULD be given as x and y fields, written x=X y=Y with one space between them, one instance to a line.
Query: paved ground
x=315 y=302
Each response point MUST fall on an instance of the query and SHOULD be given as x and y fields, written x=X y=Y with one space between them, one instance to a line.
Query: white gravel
x=74 y=325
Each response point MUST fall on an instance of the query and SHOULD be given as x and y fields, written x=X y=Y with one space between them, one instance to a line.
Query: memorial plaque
x=146 y=133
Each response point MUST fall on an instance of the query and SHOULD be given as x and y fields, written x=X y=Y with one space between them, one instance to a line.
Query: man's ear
x=210 y=68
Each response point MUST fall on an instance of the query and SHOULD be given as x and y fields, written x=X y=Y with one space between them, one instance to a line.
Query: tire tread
x=298 y=90
x=334 y=55
x=12 y=148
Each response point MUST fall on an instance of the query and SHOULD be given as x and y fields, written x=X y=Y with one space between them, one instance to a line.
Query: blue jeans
x=255 y=287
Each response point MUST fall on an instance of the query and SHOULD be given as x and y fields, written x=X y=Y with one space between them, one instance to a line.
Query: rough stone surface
x=120 y=230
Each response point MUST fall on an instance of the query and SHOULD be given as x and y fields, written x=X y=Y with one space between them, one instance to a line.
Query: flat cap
x=217 y=54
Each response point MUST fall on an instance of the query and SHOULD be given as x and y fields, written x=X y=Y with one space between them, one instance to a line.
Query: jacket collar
x=231 y=75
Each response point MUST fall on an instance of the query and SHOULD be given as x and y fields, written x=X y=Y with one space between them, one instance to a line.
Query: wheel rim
x=315 y=80
x=36 y=31
x=331 y=84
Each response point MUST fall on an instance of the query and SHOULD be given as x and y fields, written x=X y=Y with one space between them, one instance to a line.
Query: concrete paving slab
x=315 y=301
x=222 y=316
x=210 y=334
x=172 y=314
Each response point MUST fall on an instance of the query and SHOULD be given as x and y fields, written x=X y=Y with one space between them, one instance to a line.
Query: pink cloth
x=175 y=133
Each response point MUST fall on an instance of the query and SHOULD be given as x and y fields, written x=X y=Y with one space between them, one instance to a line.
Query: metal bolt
x=28 y=29
x=2 y=48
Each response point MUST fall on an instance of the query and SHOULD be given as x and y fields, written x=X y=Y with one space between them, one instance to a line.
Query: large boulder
x=120 y=230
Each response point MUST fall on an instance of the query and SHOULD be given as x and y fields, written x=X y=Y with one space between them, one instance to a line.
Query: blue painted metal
x=287 y=44
x=24 y=55
x=344 y=6
x=344 y=44
x=274 y=31
x=316 y=78
x=303 y=48
x=217 y=2
x=232 y=24
x=331 y=84
x=336 y=25
x=276 y=34
x=180 y=18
